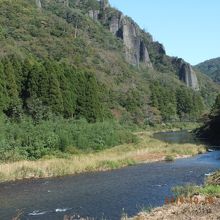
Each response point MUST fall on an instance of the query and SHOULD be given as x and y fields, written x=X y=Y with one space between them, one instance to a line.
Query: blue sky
x=187 y=28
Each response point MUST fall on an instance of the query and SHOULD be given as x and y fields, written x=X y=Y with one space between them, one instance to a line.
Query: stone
x=90 y=13
x=114 y=25
x=104 y=4
x=94 y=14
x=144 y=55
x=38 y=3
x=131 y=42
x=186 y=73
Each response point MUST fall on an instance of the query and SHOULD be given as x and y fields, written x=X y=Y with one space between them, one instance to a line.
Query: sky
x=189 y=29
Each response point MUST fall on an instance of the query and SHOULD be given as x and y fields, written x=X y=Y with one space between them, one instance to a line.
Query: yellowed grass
x=147 y=150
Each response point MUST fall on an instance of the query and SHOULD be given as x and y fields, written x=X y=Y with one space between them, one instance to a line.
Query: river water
x=104 y=195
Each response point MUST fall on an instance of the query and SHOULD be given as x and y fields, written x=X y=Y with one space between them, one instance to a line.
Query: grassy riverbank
x=147 y=149
x=193 y=202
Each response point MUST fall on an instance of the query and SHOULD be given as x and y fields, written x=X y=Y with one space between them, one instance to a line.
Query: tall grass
x=147 y=149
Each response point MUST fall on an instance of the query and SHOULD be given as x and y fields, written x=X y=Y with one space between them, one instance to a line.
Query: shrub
x=169 y=158
x=33 y=141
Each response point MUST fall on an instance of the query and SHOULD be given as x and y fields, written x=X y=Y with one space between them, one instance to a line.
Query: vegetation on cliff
x=59 y=67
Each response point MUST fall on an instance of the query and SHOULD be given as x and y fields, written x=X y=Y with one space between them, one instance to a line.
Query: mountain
x=83 y=58
x=211 y=68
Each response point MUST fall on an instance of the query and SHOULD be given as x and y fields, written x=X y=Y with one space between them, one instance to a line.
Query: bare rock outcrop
x=104 y=4
x=94 y=14
x=187 y=74
x=136 y=51
x=38 y=3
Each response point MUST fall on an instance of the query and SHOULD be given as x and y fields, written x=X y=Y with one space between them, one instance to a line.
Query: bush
x=169 y=158
x=33 y=141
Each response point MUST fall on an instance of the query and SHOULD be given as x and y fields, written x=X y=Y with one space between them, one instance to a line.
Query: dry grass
x=147 y=150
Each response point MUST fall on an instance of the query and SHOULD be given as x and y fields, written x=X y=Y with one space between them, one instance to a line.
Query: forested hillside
x=84 y=60
x=57 y=56
x=210 y=129
x=211 y=68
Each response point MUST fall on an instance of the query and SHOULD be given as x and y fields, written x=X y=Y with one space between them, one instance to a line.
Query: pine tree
x=17 y=66
x=68 y=90
x=33 y=81
x=14 y=108
x=88 y=102
x=216 y=106
x=11 y=86
x=3 y=92
x=55 y=99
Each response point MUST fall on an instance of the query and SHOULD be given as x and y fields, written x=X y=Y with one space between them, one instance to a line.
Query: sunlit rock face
x=38 y=3
x=94 y=14
x=187 y=74
x=135 y=49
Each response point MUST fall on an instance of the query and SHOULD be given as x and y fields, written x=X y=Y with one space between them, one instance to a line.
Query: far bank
x=147 y=149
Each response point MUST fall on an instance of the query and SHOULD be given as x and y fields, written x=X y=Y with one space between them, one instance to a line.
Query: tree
x=88 y=100
x=55 y=99
x=14 y=108
x=68 y=90
x=216 y=106
x=3 y=92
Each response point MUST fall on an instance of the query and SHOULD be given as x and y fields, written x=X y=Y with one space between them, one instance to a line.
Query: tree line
x=40 y=88
x=176 y=103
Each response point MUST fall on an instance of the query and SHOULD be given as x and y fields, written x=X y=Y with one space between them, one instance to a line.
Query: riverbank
x=146 y=150
x=183 y=212
x=193 y=202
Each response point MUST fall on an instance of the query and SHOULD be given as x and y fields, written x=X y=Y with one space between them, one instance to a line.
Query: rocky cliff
x=136 y=47
x=136 y=51
x=38 y=3
x=186 y=73
x=139 y=47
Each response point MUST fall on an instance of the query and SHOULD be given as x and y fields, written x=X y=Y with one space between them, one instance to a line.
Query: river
x=105 y=195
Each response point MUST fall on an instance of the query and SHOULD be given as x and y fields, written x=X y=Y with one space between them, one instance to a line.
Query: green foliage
x=64 y=63
x=38 y=88
x=169 y=158
x=187 y=190
x=216 y=106
x=191 y=190
x=172 y=103
x=210 y=190
x=27 y=140
x=211 y=68
x=211 y=126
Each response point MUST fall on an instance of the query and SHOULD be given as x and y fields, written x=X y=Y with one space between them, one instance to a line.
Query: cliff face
x=139 y=47
x=136 y=51
x=186 y=73
x=38 y=3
